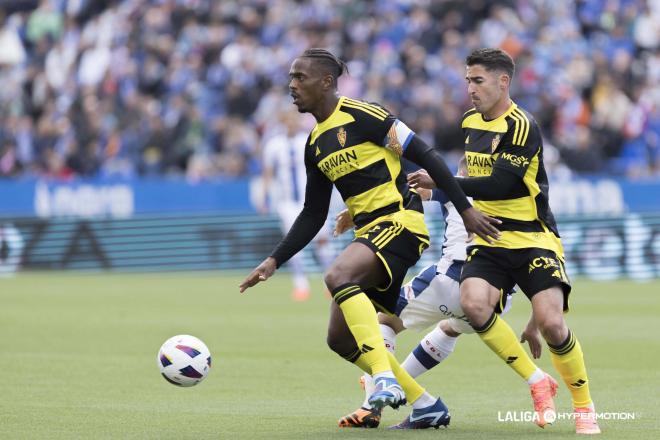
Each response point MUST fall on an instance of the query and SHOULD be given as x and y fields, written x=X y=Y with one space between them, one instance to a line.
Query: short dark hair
x=492 y=59
x=328 y=61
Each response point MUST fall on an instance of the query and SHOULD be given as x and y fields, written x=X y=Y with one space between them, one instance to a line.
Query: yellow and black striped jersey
x=353 y=149
x=513 y=143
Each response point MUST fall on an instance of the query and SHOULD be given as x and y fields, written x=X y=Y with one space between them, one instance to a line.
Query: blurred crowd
x=194 y=87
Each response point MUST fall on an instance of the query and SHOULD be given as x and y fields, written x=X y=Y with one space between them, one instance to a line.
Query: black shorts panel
x=398 y=249
x=532 y=269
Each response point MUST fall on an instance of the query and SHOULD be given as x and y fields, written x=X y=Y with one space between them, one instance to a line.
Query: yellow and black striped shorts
x=398 y=250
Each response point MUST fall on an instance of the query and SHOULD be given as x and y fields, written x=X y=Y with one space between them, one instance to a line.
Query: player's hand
x=261 y=273
x=343 y=222
x=481 y=224
x=532 y=336
x=425 y=194
x=420 y=179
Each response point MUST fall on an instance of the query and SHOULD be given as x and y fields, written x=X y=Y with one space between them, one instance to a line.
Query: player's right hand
x=532 y=336
x=420 y=179
x=261 y=273
x=343 y=222
x=482 y=225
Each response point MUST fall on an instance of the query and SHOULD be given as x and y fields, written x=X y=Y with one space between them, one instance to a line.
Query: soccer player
x=504 y=151
x=284 y=177
x=358 y=147
x=431 y=298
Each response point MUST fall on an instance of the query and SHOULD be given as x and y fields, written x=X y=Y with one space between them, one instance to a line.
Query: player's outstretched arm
x=428 y=158
x=260 y=273
x=304 y=229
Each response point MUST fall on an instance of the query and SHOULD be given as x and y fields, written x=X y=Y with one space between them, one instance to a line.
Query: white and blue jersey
x=285 y=156
x=434 y=294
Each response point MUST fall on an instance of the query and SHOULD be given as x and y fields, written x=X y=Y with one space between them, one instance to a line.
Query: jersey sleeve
x=384 y=129
x=519 y=146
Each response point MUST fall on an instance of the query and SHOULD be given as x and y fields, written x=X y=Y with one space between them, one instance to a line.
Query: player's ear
x=328 y=82
x=505 y=80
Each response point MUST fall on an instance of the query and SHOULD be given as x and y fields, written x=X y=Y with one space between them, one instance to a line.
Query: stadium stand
x=187 y=87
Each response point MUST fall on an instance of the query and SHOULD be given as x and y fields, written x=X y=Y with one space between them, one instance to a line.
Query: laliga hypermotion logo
x=550 y=416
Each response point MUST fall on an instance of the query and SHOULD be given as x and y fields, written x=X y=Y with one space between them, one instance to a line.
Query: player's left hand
x=260 y=273
x=532 y=336
x=420 y=179
x=481 y=224
x=343 y=222
x=425 y=194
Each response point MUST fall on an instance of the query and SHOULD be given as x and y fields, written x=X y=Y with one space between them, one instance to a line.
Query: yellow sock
x=362 y=321
x=360 y=361
x=410 y=386
x=497 y=334
x=569 y=362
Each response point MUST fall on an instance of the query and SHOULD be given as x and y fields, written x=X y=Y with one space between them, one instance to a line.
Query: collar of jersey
x=330 y=121
x=495 y=121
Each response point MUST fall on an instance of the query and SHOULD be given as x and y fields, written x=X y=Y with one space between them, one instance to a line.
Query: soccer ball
x=184 y=360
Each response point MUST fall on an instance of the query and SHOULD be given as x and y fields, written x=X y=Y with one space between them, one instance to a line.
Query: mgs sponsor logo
x=516 y=161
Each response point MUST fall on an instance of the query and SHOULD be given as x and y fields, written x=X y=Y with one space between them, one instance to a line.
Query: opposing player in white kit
x=284 y=177
x=432 y=297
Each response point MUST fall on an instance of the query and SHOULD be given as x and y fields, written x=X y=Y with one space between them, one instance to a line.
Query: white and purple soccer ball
x=184 y=360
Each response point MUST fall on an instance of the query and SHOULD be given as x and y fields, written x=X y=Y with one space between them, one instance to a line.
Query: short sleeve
x=377 y=125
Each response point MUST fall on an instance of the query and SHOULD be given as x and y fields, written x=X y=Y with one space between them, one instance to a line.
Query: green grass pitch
x=78 y=361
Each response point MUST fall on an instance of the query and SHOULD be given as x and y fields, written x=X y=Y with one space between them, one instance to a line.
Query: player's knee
x=336 y=277
x=393 y=322
x=332 y=278
x=553 y=328
x=447 y=329
x=476 y=310
x=472 y=303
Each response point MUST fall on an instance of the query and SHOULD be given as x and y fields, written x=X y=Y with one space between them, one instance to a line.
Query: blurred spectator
x=189 y=87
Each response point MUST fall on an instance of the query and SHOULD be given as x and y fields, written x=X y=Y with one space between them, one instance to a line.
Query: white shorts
x=434 y=296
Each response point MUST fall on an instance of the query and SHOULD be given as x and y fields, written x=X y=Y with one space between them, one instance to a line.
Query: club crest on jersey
x=393 y=141
x=495 y=143
x=341 y=136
